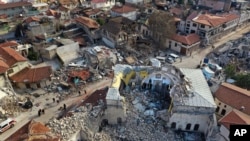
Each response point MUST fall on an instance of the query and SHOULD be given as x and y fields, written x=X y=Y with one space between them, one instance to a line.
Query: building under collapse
x=183 y=93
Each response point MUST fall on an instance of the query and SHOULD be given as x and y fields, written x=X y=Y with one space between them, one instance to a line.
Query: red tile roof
x=9 y=44
x=234 y=96
x=52 y=13
x=32 y=75
x=11 y=56
x=32 y=19
x=83 y=74
x=187 y=40
x=80 y=40
x=123 y=9
x=14 y=4
x=235 y=117
x=68 y=2
x=98 y=1
x=38 y=128
x=3 y=66
x=192 y=15
x=90 y=23
x=90 y=12
x=33 y=131
x=214 y=20
x=176 y=11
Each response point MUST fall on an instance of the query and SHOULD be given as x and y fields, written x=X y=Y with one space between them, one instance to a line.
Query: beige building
x=13 y=59
x=184 y=44
x=229 y=97
x=116 y=110
x=232 y=118
x=32 y=77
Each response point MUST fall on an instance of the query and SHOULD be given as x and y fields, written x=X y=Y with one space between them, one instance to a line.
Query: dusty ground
x=194 y=60
x=51 y=109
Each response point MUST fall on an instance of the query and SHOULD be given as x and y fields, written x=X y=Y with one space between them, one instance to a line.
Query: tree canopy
x=162 y=25
x=230 y=70
x=242 y=80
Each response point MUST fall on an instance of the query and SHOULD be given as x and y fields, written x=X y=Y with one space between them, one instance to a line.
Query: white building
x=136 y=2
x=102 y=3
x=184 y=44
x=192 y=107
x=124 y=11
x=193 y=104
x=116 y=111
x=211 y=27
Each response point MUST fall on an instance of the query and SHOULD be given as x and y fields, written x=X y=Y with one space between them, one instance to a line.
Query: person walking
x=39 y=112
x=64 y=106
x=43 y=112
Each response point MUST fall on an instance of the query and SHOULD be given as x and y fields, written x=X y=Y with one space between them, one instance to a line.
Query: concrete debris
x=149 y=113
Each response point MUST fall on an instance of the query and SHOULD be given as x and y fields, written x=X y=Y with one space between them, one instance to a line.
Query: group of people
x=85 y=92
x=41 y=111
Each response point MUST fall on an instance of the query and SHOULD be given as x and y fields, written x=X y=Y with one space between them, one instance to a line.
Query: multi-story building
x=15 y=8
x=124 y=11
x=211 y=27
x=90 y=26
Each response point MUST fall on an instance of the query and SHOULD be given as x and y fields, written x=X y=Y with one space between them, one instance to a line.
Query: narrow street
x=194 y=60
x=52 y=110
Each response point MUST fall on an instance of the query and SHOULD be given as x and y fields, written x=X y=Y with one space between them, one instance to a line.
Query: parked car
x=174 y=56
x=214 y=67
x=170 y=60
x=7 y=124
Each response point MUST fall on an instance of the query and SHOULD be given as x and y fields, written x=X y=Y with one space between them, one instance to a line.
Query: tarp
x=208 y=73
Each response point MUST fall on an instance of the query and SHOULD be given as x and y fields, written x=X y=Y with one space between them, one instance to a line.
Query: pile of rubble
x=79 y=121
x=138 y=128
x=144 y=121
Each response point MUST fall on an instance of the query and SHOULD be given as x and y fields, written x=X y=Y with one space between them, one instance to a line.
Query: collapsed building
x=182 y=93
x=167 y=100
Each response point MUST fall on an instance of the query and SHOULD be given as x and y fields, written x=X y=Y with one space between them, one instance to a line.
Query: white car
x=170 y=60
x=7 y=124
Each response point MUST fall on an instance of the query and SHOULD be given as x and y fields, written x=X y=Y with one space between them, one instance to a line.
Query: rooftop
x=68 y=2
x=234 y=96
x=9 y=44
x=113 y=94
x=32 y=19
x=188 y=39
x=123 y=9
x=3 y=66
x=90 y=23
x=98 y=1
x=83 y=74
x=202 y=96
x=214 y=20
x=14 y=4
x=10 y=56
x=32 y=75
x=235 y=117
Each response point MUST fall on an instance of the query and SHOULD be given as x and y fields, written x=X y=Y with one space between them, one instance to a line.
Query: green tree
x=230 y=70
x=162 y=25
x=243 y=80
x=32 y=55
x=100 y=21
